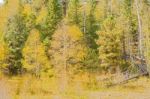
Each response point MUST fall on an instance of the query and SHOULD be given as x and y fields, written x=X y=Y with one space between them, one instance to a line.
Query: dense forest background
x=64 y=39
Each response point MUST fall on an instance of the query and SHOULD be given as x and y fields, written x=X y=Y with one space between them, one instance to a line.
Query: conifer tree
x=74 y=14
x=109 y=45
x=91 y=26
x=54 y=15
x=16 y=34
x=15 y=38
x=90 y=61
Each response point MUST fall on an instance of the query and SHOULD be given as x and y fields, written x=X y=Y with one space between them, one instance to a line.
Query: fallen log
x=130 y=78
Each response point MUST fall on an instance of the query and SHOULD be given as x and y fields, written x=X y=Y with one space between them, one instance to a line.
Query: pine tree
x=91 y=26
x=74 y=14
x=18 y=28
x=15 y=38
x=109 y=45
x=90 y=62
x=54 y=15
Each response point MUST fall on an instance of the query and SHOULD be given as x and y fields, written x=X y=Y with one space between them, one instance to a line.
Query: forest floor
x=29 y=87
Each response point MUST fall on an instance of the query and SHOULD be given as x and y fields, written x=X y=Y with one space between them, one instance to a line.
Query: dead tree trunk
x=84 y=17
x=64 y=5
x=139 y=29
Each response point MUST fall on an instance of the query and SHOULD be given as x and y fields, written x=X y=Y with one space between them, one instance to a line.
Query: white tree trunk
x=139 y=28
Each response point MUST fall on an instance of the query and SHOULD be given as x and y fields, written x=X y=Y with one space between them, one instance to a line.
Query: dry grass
x=79 y=87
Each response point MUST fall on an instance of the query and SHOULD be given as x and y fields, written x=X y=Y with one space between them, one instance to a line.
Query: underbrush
x=77 y=87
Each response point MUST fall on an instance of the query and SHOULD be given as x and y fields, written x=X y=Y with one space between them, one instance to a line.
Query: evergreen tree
x=109 y=45
x=74 y=14
x=91 y=61
x=15 y=38
x=54 y=15
x=18 y=28
x=91 y=26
